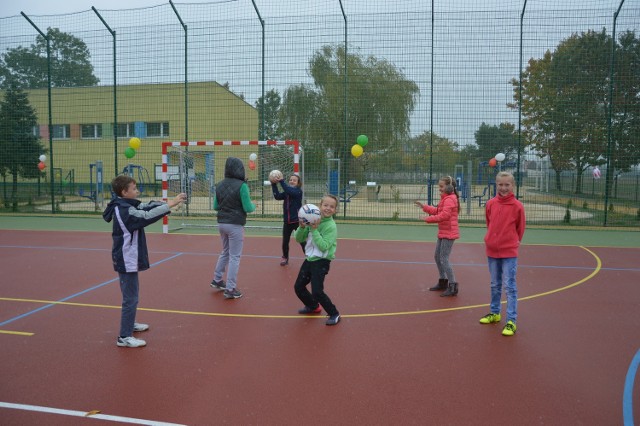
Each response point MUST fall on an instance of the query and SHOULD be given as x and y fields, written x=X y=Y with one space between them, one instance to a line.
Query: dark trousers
x=129 y=287
x=314 y=273
x=287 y=230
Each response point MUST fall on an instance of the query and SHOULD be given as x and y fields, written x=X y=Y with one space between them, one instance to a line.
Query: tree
x=415 y=154
x=379 y=101
x=270 y=107
x=494 y=139
x=564 y=98
x=228 y=87
x=70 y=65
x=19 y=147
x=625 y=151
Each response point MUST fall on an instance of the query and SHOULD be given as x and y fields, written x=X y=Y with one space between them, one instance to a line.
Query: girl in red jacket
x=445 y=214
x=505 y=229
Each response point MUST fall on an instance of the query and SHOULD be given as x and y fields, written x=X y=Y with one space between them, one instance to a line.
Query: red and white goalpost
x=195 y=167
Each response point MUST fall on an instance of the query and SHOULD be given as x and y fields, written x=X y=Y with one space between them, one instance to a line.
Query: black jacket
x=130 y=216
x=228 y=193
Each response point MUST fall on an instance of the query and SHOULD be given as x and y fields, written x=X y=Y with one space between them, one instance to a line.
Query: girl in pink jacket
x=445 y=214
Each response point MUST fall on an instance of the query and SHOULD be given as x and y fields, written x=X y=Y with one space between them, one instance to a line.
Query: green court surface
x=600 y=237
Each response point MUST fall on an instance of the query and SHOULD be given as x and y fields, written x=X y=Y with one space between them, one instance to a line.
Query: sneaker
x=284 y=261
x=333 y=319
x=220 y=285
x=490 y=318
x=232 y=294
x=137 y=327
x=509 y=329
x=130 y=342
x=307 y=310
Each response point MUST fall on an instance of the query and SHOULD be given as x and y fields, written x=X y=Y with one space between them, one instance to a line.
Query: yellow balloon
x=135 y=143
x=356 y=150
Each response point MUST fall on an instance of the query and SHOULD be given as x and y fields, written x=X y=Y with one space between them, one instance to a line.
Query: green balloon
x=129 y=152
x=362 y=140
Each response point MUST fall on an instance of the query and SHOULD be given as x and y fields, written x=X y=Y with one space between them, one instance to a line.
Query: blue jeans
x=504 y=271
x=129 y=287
x=232 y=237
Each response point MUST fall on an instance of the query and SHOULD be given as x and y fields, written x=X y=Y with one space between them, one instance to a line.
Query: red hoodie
x=446 y=215
x=505 y=226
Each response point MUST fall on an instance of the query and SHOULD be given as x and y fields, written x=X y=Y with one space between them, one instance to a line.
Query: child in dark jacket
x=233 y=202
x=129 y=253
x=292 y=201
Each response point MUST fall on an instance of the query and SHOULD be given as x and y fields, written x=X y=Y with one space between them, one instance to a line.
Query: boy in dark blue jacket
x=129 y=252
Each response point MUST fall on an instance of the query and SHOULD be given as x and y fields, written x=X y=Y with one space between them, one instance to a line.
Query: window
x=91 y=131
x=35 y=131
x=61 y=131
x=125 y=130
x=157 y=130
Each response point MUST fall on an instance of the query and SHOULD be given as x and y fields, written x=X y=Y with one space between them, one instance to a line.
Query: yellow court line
x=381 y=314
x=587 y=278
x=18 y=333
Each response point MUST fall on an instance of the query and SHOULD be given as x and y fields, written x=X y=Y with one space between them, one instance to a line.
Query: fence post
x=609 y=163
x=46 y=37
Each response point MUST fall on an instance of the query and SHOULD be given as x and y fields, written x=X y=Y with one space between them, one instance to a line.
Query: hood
x=107 y=215
x=234 y=168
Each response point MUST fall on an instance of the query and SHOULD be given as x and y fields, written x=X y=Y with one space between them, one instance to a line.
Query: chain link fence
x=436 y=88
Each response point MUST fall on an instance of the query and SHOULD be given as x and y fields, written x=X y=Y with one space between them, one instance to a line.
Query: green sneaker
x=509 y=329
x=490 y=318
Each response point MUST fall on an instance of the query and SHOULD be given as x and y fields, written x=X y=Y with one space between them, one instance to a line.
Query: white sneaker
x=130 y=342
x=140 y=327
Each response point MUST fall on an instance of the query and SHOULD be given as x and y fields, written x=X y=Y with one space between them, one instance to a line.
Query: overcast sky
x=50 y=7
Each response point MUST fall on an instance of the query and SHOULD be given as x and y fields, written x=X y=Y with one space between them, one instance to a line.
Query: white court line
x=84 y=414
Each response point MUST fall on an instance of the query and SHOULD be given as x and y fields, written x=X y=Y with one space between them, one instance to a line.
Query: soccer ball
x=275 y=176
x=309 y=213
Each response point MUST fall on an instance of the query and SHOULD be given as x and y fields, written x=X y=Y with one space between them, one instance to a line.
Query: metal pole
x=46 y=37
x=429 y=201
x=518 y=183
x=186 y=78
x=346 y=84
x=115 y=94
x=261 y=131
x=186 y=100
x=609 y=126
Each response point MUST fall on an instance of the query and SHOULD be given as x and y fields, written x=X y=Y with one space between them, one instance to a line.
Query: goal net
x=195 y=167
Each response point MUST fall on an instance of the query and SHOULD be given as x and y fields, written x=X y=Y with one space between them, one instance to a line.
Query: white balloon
x=500 y=157
x=43 y=158
x=253 y=157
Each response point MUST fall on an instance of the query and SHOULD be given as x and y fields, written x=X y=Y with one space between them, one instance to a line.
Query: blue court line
x=26 y=314
x=338 y=260
x=627 y=398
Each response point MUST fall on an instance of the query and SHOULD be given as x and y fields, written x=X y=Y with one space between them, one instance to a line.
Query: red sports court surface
x=400 y=355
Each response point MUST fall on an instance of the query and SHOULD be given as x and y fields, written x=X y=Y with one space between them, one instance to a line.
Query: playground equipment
x=333 y=182
x=140 y=174
x=461 y=184
x=487 y=177
x=64 y=183
x=96 y=191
